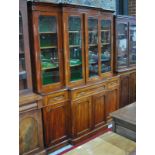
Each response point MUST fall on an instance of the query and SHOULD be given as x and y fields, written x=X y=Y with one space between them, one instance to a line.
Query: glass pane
x=49 y=52
x=132 y=57
x=122 y=45
x=93 y=46
x=75 y=48
x=22 y=68
x=105 y=46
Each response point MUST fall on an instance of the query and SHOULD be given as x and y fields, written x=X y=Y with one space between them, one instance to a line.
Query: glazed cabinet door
x=25 y=81
x=30 y=132
x=121 y=45
x=56 y=123
x=81 y=116
x=106 y=44
x=111 y=102
x=48 y=50
x=99 y=111
x=132 y=43
x=74 y=48
x=124 y=90
x=132 y=84
x=92 y=48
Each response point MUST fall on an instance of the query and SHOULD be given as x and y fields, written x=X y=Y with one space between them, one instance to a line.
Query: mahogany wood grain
x=56 y=123
x=124 y=98
x=111 y=102
x=99 y=109
x=30 y=132
x=132 y=84
x=82 y=116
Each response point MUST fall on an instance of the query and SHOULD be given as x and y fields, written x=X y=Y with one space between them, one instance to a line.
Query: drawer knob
x=59 y=98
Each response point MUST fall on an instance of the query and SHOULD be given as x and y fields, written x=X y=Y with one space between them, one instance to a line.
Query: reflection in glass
x=48 y=46
x=74 y=28
x=22 y=68
x=106 y=46
x=132 y=55
x=93 y=46
x=122 y=44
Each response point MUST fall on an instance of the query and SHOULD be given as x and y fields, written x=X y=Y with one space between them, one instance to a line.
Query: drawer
x=113 y=83
x=83 y=92
x=56 y=97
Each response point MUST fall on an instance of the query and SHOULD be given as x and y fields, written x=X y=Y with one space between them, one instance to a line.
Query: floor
x=106 y=144
x=57 y=152
x=68 y=147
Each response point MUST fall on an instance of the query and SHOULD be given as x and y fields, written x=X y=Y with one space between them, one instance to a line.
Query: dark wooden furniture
x=72 y=53
x=30 y=125
x=125 y=57
x=91 y=106
x=56 y=118
x=30 y=116
x=125 y=43
x=77 y=52
x=127 y=88
x=124 y=121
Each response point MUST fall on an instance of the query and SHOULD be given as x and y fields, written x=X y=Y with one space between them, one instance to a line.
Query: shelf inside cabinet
x=21 y=52
x=48 y=68
x=74 y=65
x=74 y=31
x=74 y=46
x=75 y=62
x=93 y=44
x=104 y=60
x=105 y=30
x=105 y=44
x=93 y=62
x=48 y=32
x=22 y=75
x=121 y=34
x=93 y=31
x=46 y=47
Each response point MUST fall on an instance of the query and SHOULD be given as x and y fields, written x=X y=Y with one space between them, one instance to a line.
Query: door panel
x=82 y=114
x=55 y=123
x=99 y=109
x=30 y=132
x=132 y=87
x=124 y=92
x=111 y=102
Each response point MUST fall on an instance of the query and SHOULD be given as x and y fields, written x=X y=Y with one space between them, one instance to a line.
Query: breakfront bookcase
x=72 y=63
x=30 y=117
x=125 y=57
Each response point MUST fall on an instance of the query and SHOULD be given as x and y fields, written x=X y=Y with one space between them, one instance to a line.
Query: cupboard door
x=22 y=66
x=124 y=90
x=82 y=116
x=30 y=132
x=99 y=116
x=132 y=43
x=111 y=102
x=48 y=50
x=25 y=79
x=56 y=123
x=132 y=87
x=121 y=45
x=92 y=47
x=74 y=49
x=106 y=44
